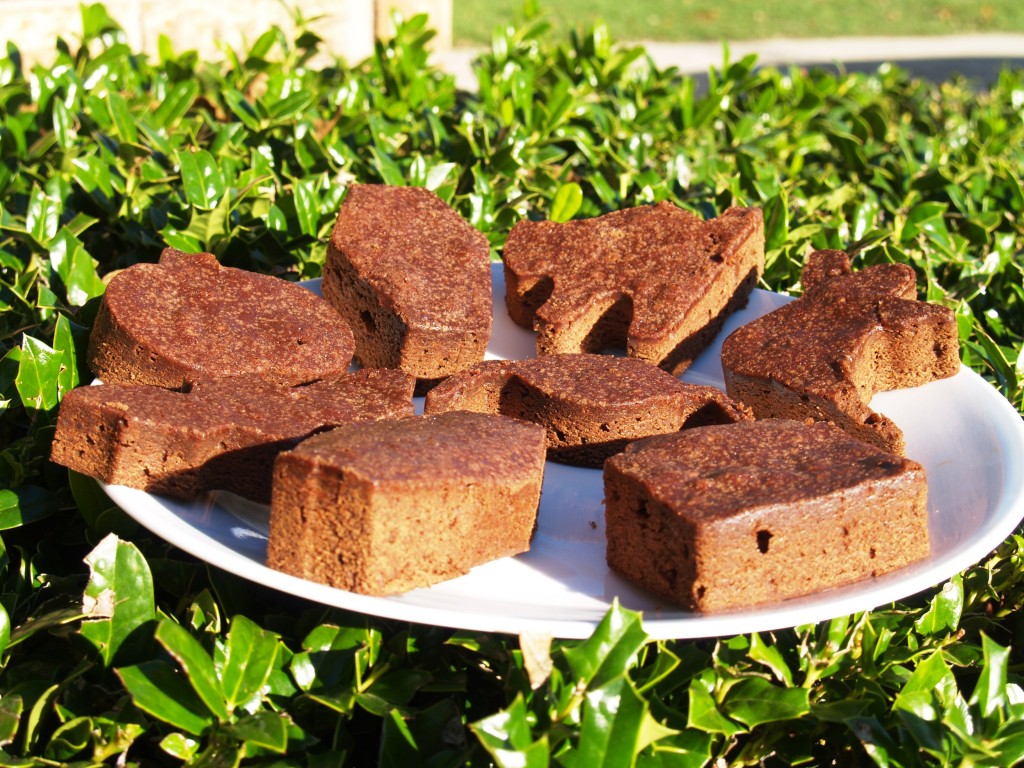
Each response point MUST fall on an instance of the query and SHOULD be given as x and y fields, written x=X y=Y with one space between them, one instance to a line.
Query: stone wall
x=347 y=26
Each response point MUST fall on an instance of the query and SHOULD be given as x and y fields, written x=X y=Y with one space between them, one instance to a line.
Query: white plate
x=969 y=438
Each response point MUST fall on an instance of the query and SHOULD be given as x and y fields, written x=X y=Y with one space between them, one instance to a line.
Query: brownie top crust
x=484 y=447
x=662 y=257
x=188 y=317
x=599 y=382
x=427 y=264
x=716 y=472
x=253 y=404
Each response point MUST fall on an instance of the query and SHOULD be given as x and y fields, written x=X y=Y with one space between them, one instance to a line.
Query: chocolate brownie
x=730 y=517
x=386 y=507
x=656 y=280
x=188 y=317
x=222 y=434
x=850 y=335
x=591 y=405
x=412 y=278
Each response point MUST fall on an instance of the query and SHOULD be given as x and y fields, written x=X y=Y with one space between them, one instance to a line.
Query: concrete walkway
x=979 y=57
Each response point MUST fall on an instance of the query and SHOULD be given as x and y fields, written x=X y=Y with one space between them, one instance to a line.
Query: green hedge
x=118 y=648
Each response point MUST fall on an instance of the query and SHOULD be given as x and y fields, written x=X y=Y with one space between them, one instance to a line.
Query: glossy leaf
x=507 y=738
x=754 y=701
x=567 y=202
x=609 y=651
x=617 y=725
x=201 y=178
x=157 y=689
x=118 y=600
x=990 y=693
x=703 y=713
x=945 y=608
x=5 y=635
x=265 y=730
x=196 y=664
x=64 y=343
x=25 y=504
x=249 y=658
x=38 y=372
x=177 y=103
x=11 y=709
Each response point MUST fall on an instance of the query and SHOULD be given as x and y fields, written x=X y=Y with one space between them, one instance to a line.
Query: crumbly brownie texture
x=730 y=517
x=222 y=434
x=591 y=405
x=656 y=280
x=413 y=279
x=850 y=335
x=390 y=506
x=188 y=318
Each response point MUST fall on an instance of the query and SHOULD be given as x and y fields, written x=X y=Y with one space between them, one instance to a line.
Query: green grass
x=683 y=20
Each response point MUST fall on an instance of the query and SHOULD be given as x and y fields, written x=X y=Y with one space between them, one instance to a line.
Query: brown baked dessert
x=735 y=516
x=412 y=278
x=222 y=434
x=386 y=507
x=188 y=318
x=850 y=335
x=656 y=280
x=591 y=405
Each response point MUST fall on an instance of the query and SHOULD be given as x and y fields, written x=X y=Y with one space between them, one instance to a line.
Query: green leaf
x=250 y=656
x=180 y=746
x=201 y=178
x=101 y=514
x=507 y=738
x=989 y=694
x=176 y=104
x=11 y=708
x=429 y=736
x=265 y=730
x=566 y=203
x=5 y=631
x=196 y=664
x=943 y=614
x=876 y=741
x=610 y=650
x=32 y=725
x=920 y=218
x=38 y=373
x=920 y=704
x=617 y=726
x=118 y=600
x=306 y=206
x=122 y=118
x=287 y=108
x=96 y=21
x=755 y=701
x=42 y=219
x=76 y=268
x=63 y=124
x=703 y=714
x=157 y=689
x=243 y=109
x=69 y=739
x=64 y=343
x=25 y=504
x=770 y=655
